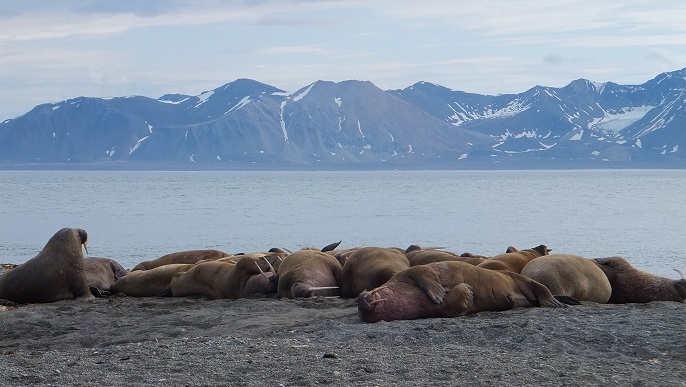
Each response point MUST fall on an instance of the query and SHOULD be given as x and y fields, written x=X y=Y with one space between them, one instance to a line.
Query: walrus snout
x=364 y=301
x=367 y=300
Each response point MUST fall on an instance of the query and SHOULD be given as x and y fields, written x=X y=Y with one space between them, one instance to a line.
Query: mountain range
x=354 y=124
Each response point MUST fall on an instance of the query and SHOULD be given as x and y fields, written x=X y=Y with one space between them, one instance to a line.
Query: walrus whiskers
x=680 y=273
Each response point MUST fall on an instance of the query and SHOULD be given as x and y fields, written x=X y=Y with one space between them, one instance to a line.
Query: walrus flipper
x=97 y=292
x=569 y=300
x=429 y=282
x=331 y=247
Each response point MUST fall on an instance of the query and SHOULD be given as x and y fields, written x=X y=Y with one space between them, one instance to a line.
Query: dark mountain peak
x=247 y=87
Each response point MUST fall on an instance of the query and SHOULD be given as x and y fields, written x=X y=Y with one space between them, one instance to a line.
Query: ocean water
x=141 y=215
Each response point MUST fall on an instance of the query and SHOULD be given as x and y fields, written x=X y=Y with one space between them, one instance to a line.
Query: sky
x=53 y=50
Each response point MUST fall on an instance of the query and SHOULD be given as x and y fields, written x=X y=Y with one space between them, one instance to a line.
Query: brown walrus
x=217 y=280
x=514 y=260
x=101 y=274
x=56 y=273
x=190 y=256
x=450 y=289
x=369 y=267
x=570 y=275
x=148 y=283
x=275 y=256
x=418 y=256
x=308 y=273
x=630 y=285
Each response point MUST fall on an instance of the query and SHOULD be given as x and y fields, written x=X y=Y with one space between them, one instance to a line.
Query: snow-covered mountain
x=582 y=121
x=354 y=124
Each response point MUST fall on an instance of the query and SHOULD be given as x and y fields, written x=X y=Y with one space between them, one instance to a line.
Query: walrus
x=570 y=275
x=630 y=285
x=56 y=273
x=275 y=256
x=308 y=273
x=514 y=260
x=369 y=267
x=148 y=283
x=450 y=289
x=218 y=280
x=5 y=267
x=420 y=256
x=190 y=256
x=101 y=274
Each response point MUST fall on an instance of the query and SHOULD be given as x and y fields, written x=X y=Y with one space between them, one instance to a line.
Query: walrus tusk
x=271 y=268
x=376 y=301
x=380 y=288
x=261 y=271
x=314 y=288
x=680 y=273
x=85 y=245
x=288 y=251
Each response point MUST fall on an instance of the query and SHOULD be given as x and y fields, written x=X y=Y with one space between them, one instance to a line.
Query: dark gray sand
x=271 y=342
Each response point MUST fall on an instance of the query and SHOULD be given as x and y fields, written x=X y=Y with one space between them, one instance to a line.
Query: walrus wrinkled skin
x=219 y=280
x=450 y=289
x=148 y=283
x=630 y=285
x=514 y=260
x=101 y=274
x=424 y=256
x=304 y=270
x=190 y=256
x=570 y=275
x=56 y=273
x=369 y=267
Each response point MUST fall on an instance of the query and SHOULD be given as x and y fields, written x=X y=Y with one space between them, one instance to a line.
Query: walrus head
x=84 y=238
x=542 y=249
x=412 y=248
x=67 y=236
x=680 y=285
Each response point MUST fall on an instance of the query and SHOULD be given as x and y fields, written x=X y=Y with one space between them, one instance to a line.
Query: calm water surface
x=136 y=216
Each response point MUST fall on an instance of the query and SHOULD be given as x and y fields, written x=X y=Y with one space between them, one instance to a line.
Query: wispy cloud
x=62 y=48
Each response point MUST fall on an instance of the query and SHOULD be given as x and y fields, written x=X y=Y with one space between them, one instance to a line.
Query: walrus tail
x=569 y=300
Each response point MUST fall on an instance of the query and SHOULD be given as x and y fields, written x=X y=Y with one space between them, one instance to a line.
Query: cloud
x=286 y=50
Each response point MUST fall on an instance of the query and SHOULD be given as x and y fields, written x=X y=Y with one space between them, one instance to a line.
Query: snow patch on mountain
x=202 y=98
x=138 y=143
x=283 y=123
x=302 y=94
x=615 y=122
x=513 y=108
x=244 y=101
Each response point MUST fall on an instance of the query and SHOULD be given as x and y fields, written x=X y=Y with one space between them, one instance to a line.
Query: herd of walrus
x=389 y=283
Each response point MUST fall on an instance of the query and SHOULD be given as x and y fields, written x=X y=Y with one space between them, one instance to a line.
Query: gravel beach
x=267 y=341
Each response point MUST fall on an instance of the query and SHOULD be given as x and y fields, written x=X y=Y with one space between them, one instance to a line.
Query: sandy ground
x=271 y=342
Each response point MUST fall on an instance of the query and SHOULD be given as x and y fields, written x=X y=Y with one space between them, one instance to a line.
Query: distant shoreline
x=544 y=165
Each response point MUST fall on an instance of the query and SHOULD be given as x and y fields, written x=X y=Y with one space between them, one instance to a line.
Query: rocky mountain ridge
x=354 y=124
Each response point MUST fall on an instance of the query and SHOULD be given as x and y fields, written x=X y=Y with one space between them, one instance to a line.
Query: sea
x=133 y=216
